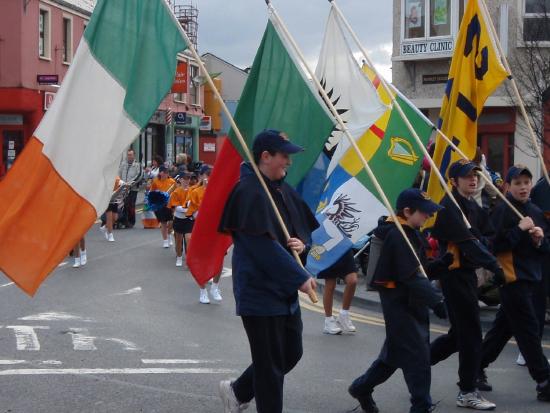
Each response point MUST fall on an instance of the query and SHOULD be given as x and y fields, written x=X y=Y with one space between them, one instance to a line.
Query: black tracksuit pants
x=460 y=290
x=517 y=317
x=276 y=347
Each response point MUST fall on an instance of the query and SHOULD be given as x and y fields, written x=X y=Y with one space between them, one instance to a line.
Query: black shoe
x=482 y=384
x=366 y=401
x=543 y=392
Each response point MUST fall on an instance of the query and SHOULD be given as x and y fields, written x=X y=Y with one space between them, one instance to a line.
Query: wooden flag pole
x=516 y=90
x=401 y=113
x=312 y=294
x=344 y=128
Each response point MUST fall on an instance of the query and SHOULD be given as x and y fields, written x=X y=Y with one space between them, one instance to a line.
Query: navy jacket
x=266 y=277
x=519 y=257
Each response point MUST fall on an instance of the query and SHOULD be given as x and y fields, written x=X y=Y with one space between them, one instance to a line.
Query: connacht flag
x=476 y=71
x=277 y=95
x=350 y=205
x=62 y=181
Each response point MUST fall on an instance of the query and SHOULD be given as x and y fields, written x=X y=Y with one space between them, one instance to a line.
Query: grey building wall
x=233 y=78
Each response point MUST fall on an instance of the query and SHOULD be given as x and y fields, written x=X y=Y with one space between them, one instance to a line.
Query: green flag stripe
x=140 y=53
x=276 y=96
x=396 y=174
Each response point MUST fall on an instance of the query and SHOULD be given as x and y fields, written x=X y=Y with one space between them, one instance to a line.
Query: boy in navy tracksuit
x=520 y=246
x=405 y=295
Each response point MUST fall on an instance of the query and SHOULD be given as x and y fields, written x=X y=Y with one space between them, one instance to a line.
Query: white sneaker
x=179 y=261
x=76 y=262
x=520 y=360
x=229 y=400
x=166 y=244
x=103 y=228
x=203 y=298
x=345 y=323
x=215 y=293
x=331 y=326
x=474 y=401
x=110 y=237
x=83 y=257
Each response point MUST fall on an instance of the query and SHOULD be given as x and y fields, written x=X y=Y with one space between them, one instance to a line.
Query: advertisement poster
x=440 y=12
x=414 y=14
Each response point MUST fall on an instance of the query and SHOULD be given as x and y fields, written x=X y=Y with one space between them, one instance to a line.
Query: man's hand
x=309 y=285
x=526 y=223
x=296 y=245
x=498 y=278
x=537 y=235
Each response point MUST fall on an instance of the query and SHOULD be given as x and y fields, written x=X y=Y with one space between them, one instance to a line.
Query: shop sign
x=47 y=79
x=180 y=80
x=11 y=119
x=427 y=47
x=180 y=118
x=209 y=147
x=48 y=99
x=434 y=79
x=206 y=123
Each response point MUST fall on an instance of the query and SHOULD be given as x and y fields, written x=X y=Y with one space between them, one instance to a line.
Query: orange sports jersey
x=178 y=197
x=194 y=199
x=162 y=184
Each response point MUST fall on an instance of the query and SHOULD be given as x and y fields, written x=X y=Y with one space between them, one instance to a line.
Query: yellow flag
x=476 y=71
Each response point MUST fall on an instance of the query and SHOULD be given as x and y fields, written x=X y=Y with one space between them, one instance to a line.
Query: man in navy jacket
x=266 y=277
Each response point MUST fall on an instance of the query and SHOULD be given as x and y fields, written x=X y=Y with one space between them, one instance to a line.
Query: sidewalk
x=371 y=300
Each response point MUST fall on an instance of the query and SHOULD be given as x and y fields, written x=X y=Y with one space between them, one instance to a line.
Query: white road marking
x=45 y=362
x=136 y=290
x=226 y=272
x=6 y=285
x=23 y=372
x=61 y=264
x=176 y=361
x=82 y=340
x=26 y=338
x=54 y=316
x=128 y=345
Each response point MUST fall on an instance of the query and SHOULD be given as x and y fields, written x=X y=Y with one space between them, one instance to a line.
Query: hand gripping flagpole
x=344 y=128
x=312 y=294
x=504 y=60
x=401 y=113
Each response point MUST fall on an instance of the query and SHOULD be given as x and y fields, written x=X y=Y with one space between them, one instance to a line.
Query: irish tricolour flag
x=62 y=181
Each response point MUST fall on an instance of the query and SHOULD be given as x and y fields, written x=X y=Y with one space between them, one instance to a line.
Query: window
x=44 y=33
x=414 y=19
x=440 y=18
x=430 y=18
x=194 y=85
x=67 y=40
x=536 y=21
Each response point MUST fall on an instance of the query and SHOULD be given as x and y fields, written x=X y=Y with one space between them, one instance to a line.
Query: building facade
x=37 y=44
x=424 y=34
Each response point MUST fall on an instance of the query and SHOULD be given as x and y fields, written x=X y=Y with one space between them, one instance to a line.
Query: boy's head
x=271 y=149
x=184 y=179
x=463 y=175
x=520 y=182
x=163 y=172
x=416 y=207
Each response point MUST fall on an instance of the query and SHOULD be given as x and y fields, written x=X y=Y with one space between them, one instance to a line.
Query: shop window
x=430 y=18
x=194 y=85
x=67 y=40
x=44 y=33
x=536 y=21
x=440 y=18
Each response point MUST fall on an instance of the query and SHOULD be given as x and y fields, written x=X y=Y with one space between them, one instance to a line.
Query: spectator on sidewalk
x=130 y=171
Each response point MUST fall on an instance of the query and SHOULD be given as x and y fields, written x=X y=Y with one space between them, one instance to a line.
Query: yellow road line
x=364 y=319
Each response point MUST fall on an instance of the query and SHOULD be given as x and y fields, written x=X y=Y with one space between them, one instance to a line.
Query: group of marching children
x=514 y=249
x=185 y=202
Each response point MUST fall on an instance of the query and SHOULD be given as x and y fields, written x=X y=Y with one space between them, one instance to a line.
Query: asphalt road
x=126 y=333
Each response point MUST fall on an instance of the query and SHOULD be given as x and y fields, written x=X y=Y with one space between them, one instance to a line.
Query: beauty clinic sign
x=180 y=80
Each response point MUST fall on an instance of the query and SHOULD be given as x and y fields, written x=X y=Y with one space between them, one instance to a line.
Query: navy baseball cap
x=417 y=199
x=274 y=141
x=163 y=168
x=516 y=171
x=462 y=168
x=205 y=169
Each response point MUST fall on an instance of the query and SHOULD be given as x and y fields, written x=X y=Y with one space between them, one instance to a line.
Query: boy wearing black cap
x=520 y=246
x=266 y=277
x=469 y=247
x=405 y=295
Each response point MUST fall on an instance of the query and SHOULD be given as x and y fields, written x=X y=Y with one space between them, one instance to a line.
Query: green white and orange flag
x=62 y=181
x=476 y=71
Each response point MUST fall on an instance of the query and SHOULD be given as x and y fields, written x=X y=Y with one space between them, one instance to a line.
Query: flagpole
x=401 y=113
x=406 y=120
x=312 y=294
x=346 y=132
x=516 y=90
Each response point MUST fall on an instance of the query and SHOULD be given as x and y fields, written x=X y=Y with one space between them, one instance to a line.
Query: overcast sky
x=232 y=29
